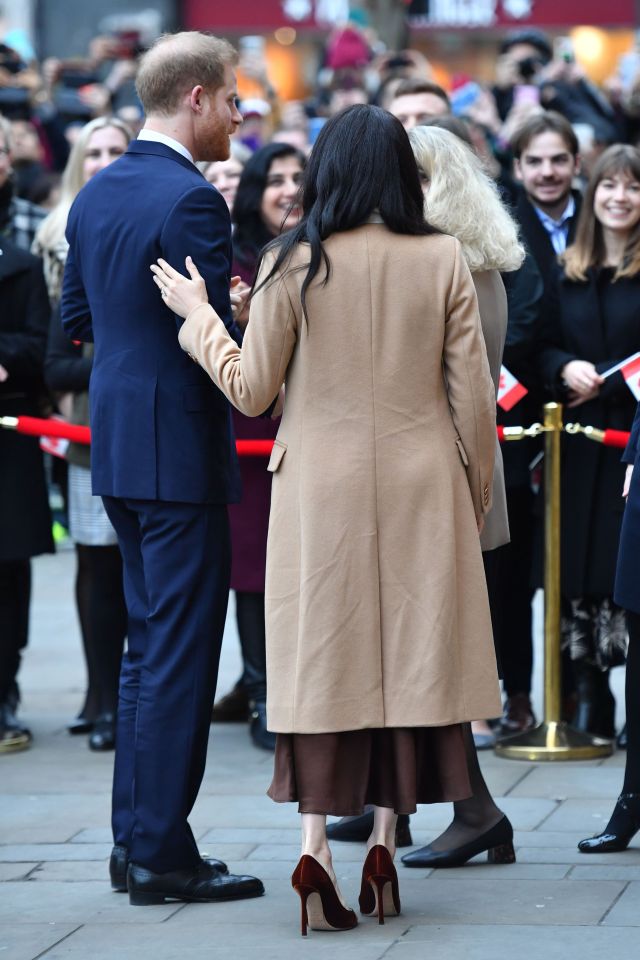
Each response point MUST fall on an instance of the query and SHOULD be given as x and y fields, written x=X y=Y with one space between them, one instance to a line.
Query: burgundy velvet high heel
x=379 y=891
x=320 y=906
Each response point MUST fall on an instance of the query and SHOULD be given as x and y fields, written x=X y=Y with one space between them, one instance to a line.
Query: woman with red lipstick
x=592 y=325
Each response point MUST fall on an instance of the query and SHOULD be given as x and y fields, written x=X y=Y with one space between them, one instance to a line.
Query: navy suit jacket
x=160 y=429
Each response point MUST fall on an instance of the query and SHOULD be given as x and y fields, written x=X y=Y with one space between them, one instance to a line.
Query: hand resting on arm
x=183 y=296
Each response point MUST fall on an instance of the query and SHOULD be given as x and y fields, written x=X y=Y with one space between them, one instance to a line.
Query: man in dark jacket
x=546 y=156
x=162 y=454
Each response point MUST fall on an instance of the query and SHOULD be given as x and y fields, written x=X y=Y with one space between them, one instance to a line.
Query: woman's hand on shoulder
x=180 y=294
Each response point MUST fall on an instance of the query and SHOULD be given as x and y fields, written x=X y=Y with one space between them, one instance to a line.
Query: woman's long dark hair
x=251 y=234
x=362 y=162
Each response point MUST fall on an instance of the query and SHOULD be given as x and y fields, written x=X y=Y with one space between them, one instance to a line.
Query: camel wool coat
x=376 y=603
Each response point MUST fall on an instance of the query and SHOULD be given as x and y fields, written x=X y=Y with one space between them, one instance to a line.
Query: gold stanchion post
x=552 y=739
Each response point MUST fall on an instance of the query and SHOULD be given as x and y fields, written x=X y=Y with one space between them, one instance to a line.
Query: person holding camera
x=531 y=71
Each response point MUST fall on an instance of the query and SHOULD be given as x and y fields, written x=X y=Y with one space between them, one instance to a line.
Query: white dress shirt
x=146 y=134
x=558 y=230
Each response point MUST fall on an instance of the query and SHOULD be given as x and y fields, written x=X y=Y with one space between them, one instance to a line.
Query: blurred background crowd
x=540 y=91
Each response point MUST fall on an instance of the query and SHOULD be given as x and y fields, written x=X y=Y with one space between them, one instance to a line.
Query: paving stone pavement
x=55 y=900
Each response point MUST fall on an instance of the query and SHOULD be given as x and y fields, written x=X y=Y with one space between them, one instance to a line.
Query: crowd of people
x=499 y=226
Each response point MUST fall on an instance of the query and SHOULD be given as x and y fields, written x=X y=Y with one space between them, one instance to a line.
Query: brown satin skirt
x=339 y=773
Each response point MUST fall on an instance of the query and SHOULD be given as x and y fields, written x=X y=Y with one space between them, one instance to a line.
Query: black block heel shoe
x=621 y=829
x=497 y=842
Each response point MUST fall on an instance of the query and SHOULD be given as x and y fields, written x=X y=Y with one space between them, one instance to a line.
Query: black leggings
x=251 y=629
x=632 y=700
x=514 y=595
x=103 y=616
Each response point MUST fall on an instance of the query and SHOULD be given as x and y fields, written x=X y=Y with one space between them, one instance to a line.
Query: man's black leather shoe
x=358 y=829
x=119 y=862
x=202 y=884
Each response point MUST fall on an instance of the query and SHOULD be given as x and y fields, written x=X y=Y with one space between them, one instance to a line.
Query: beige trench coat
x=376 y=603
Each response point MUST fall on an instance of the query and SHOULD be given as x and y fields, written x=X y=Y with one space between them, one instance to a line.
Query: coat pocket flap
x=462 y=452
x=278 y=452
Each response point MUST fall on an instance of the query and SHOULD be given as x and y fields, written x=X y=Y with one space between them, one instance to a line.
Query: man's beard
x=215 y=145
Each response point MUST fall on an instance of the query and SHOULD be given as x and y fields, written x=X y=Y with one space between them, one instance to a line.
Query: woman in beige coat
x=379 y=641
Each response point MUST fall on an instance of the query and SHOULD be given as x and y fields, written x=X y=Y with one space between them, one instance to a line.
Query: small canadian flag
x=56 y=446
x=510 y=390
x=631 y=373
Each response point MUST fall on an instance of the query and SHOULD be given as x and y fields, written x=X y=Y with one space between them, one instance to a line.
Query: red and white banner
x=630 y=370
x=631 y=373
x=259 y=16
x=434 y=14
x=510 y=390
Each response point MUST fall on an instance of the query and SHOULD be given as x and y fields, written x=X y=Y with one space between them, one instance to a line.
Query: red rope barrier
x=254 y=448
x=35 y=427
x=616 y=438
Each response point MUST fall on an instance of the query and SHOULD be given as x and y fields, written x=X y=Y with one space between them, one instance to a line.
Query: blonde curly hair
x=464 y=202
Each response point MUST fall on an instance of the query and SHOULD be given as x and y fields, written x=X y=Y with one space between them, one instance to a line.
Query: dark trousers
x=103 y=618
x=176 y=582
x=515 y=645
x=15 y=594
x=251 y=629
x=632 y=702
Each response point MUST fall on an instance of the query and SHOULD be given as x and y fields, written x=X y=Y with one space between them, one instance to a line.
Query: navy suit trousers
x=176 y=580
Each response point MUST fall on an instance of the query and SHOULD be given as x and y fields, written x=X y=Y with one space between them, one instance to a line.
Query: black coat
x=536 y=237
x=627 y=588
x=25 y=520
x=524 y=299
x=599 y=321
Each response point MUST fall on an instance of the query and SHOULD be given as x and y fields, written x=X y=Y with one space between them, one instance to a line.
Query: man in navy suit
x=162 y=455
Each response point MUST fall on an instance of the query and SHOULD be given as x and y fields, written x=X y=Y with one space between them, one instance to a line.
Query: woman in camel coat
x=379 y=638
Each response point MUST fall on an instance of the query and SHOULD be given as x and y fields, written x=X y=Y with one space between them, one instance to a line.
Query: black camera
x=529 y=67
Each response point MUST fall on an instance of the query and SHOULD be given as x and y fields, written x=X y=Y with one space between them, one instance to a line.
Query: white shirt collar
x=146 y=134
x=549 y=222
